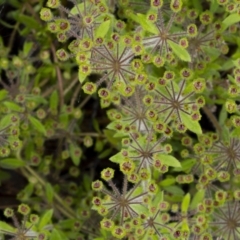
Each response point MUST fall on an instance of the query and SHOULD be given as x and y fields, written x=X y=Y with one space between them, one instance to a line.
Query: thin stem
x=59 y=78
x=213 y=119
x=65 y=209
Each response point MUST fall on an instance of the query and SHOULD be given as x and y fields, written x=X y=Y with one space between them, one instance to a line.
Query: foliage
x=144 y=93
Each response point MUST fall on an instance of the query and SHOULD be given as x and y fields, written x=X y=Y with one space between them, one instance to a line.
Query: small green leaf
x=103 y=28
x=231 y=19
x=27 y=191
x=167 y=182
x=198 y=197
x=27 y=48
x=3 y=94
x=28 y=21
x=11 y=163
x=55 y=235
x=236 y=62
x=175 y=190
x=140 y=209
x=146 y=25
x=169 y=160
x=13 y=106
x=181 y=52
x=77 y=9
x=45 y=219
x=187 y=164
x=105 y=153
x=6 y=227
x=193 y=126
x=117 y=158
x=185 y=203
x=37 y=124
x=49 y=192
x=54 y=100
x=81 y=76
x=236 y=132
x=75 y=153
x=109 y=134
x=158 y=198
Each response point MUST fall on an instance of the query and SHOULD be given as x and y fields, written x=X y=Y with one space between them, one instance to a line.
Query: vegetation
x=121 y=119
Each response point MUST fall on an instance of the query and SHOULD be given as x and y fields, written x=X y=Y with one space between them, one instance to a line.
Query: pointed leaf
x=37 y=124
x=193 y=126
x=117 y=158
x=6 y=227
x=181 y=52
x=54 y=100
x=55 y=235
x=146 y=25
x=49 y=192
x=45 y=219
x=185 y=203
x=103 y=28
x=169 y=160
x=13 y=106
x=198 y=197
x=231 y=19
x=11 y=163
x=75 y=153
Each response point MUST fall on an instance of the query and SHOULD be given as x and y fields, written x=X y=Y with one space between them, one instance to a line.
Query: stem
x=64 y=208
x=59 y=77
x=85 y=101
x=75 y=94
x=71 y=85
x=213 y=119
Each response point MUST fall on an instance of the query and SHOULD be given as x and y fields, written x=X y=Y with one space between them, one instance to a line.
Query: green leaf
x=45 y=219
x=27 y=48
x=54 y=100
x=6 y=120
x=197 y=5
x=167 y=182
x=75 y=9
x=236 y=62
x=198 y=197
x=117 y=158
x=3 y=94
x=6 y=227
x=181 y=52
x=103 y=28
x=27 y=191
x=13 y=106
x=175 y=190
x=105 y=153
x=158 y=198
x=185 y=203
x=49 y=192
x=109 y=134
x=75 y=153
x=223 y=116
x=55 y=235
x=146 y=25
x=169 y=160
x=37 y=124
x=187 y=164
x=81 y=76
x=140 y=209
x=231 y=19
x=235 y=133
x=193 y=126
x=11 y=163
x=214 y=6
x=29 y=22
